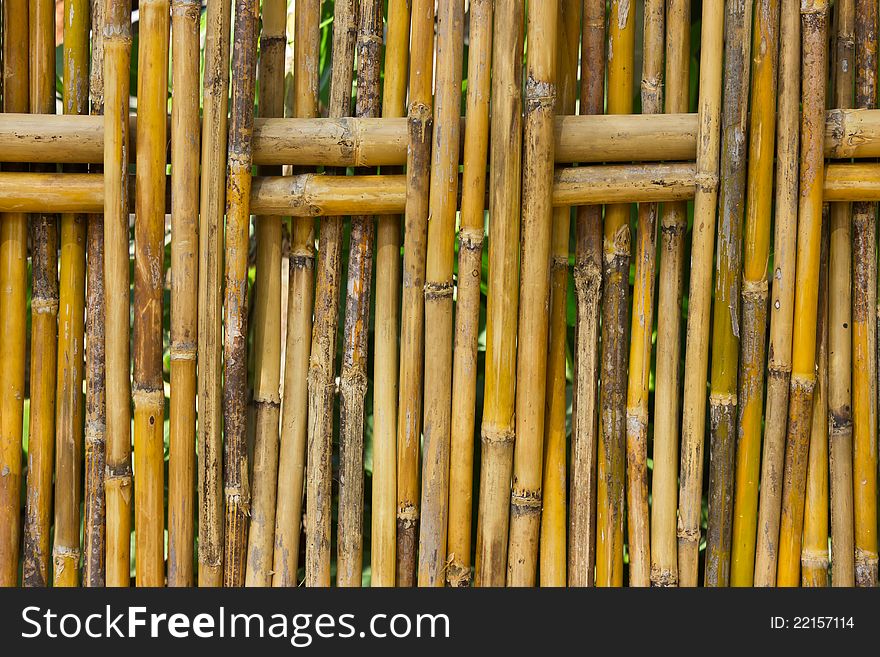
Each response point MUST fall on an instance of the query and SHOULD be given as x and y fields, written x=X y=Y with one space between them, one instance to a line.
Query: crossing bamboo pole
x=782 y=295
x=383 y=534
x=865 y=371
x=673 y=224
x=96 y=411
x=702 y=249
x=353 y=379
x=267 y=319
x=13 y=310
x=412 y=336
x=321 y=377
x=552 y=564
x=185 y=140
x=503 y=299
x=587 y=285
x=803 y=375
x=723 y=398
x=756 y=253
x=117 y=478
x=610 y=500
x=642 y=324
x=300 y=295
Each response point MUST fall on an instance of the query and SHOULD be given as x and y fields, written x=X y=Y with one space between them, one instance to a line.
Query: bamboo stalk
x=291 y=464
x=552 y=565
x=13 y=310
x=267 y=320
x=502 y=305
x=587 y=285
x=702 y=249
x=321 y=385
x=185 y=16
x=409 y=410
x=803 y=375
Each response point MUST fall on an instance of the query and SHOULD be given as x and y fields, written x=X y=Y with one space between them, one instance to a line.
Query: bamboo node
x=44 y=306
x=559 y=261
x=865 y=567
x=754 y=290
x=540 y=94
x=525 y=502
x=706 y=182
x=420 y=119
x=145 y=396
x=458 y=575
x=61 y=552
x=183 y=351
x=663 y=577
x=840 y=422
x=470 y=239
x=407 y=514
x=803 y=382
x=722 y=399
x=814 y=559
x=494 y=435
x=438 y=291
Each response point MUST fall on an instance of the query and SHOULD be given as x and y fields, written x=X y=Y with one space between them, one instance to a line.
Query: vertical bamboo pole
x=702 y=249
x=615 y=292
x=383 y=550
x=291 y=464
x=503 y=299
x=321 y=384
x=267 y=318
x=756 y=253
x=13 y=310
x=803 y=374
x=552 y=532
x=642 y=324
x=726 y=321
x=117 y=478
x=235 y=301
x=782 y=298
x=438 y=294
x=409 y=410
x=184 y=286
x=534 y=292
x=212 y=197
x=587 y=285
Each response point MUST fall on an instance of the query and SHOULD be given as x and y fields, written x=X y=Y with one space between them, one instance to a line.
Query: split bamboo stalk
x=291 y=463
x=673 y=224
x=552 y=565
x=610 y=500
x=865 y=371
x=803 y=376
x=723 y=399
x=782 y=296
x=498 y=429
x=533 y=328
x=383 y=550
x=13 y=314
x=814 y=553
x=267 y=319
x=409 y=410
x=212 y=197
x=353 y=379
x=117 y=478
x=235 y=302
x=642 y=323
x=702 y=249
x=185 y=16
x=321 y=383
x=756 y=247
x=96 y=411
x=587 y=286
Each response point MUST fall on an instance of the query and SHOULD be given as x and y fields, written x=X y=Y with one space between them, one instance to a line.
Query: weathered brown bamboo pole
x=184 y=287
x=642 y=324
x=267 y=319
x=782 y=298
x=756 y=248
x=117 y=478
x=13 y=311
x=587 y=286
x=235 y=305
x=610 y=499
x=291 y=463
x=501 y=313
x=673 y=224
x=212 y=205
x=321 y=384
x=803 y=374
x=702 y=249
x=552 y=565
x=412 y=336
